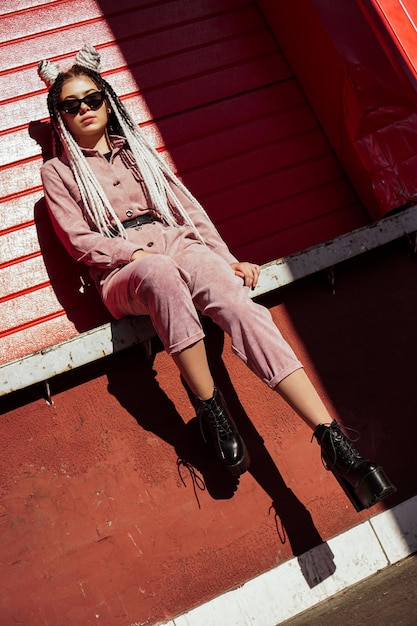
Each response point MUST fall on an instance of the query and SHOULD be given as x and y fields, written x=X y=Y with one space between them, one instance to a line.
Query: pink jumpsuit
x=180 y=277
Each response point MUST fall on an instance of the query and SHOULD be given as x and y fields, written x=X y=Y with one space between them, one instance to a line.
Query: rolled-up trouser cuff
x=186 y=343
x=279 y=378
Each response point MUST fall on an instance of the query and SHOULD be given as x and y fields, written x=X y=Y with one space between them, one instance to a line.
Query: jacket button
x=150 y=244
x=129 y=213
x=116 y=183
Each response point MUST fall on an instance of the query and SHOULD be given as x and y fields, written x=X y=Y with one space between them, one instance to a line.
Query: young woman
x=152 y=250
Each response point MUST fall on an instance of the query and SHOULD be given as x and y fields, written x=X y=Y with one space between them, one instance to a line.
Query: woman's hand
x=248 y=271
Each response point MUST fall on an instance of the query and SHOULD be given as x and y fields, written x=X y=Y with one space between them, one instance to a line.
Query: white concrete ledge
x=288 y=269
x=287 y=590
x=71 y=353
x=112 y=337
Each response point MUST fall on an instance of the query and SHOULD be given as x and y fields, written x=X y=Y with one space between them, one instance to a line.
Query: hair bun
x=48 y=72
x=88 y=57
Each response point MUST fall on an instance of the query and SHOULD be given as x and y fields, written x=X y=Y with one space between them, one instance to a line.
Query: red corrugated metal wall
x=210 y=87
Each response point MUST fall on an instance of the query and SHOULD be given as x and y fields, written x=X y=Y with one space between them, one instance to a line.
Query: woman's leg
x=300 y=393
x=365 y=483
x=216 y=423
x=258 y=342
x=193 y=365
x=220 y=295
x=156 y=286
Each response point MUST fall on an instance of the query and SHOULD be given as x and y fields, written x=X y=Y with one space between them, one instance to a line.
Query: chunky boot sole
x=363 y=482
x=239 y=468
x=374 y=487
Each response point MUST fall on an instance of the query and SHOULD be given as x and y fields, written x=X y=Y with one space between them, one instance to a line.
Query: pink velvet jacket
x=80 y=236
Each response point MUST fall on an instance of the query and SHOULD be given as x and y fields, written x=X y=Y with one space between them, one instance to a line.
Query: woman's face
x=87 y=126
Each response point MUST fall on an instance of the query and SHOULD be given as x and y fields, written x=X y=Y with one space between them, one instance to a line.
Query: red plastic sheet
x=382 y=126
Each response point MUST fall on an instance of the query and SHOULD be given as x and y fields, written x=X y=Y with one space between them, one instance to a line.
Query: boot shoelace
x=340 y=443
x=197 y=482
x=218 y=420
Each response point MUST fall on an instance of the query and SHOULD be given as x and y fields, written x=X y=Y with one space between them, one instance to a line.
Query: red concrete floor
x=103 y=521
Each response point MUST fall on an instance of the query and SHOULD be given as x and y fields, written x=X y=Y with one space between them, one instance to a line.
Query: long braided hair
x=147 y=165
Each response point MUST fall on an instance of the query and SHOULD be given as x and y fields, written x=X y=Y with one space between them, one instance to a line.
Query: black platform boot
x=218 y=426
x=364 y=483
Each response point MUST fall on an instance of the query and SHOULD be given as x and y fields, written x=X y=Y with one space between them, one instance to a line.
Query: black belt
x=135 y=221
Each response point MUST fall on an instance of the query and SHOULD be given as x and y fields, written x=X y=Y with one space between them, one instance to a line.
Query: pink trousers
x=183 y=276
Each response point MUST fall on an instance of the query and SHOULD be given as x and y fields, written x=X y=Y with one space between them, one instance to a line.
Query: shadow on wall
x=156 y=413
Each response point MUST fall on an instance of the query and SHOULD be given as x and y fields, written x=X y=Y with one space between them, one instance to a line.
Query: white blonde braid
x=94 y=198
x=156 y=173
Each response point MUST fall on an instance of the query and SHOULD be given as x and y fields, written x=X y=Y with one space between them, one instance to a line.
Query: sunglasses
x=94 y=101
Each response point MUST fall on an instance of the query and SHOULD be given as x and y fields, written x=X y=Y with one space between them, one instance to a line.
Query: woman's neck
x=102 y=144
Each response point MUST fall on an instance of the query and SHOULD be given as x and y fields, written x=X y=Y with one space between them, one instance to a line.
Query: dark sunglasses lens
x=69 y=107
x=94 y=100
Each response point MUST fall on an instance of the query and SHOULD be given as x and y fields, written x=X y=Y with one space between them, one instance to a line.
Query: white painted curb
x=284 y=592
